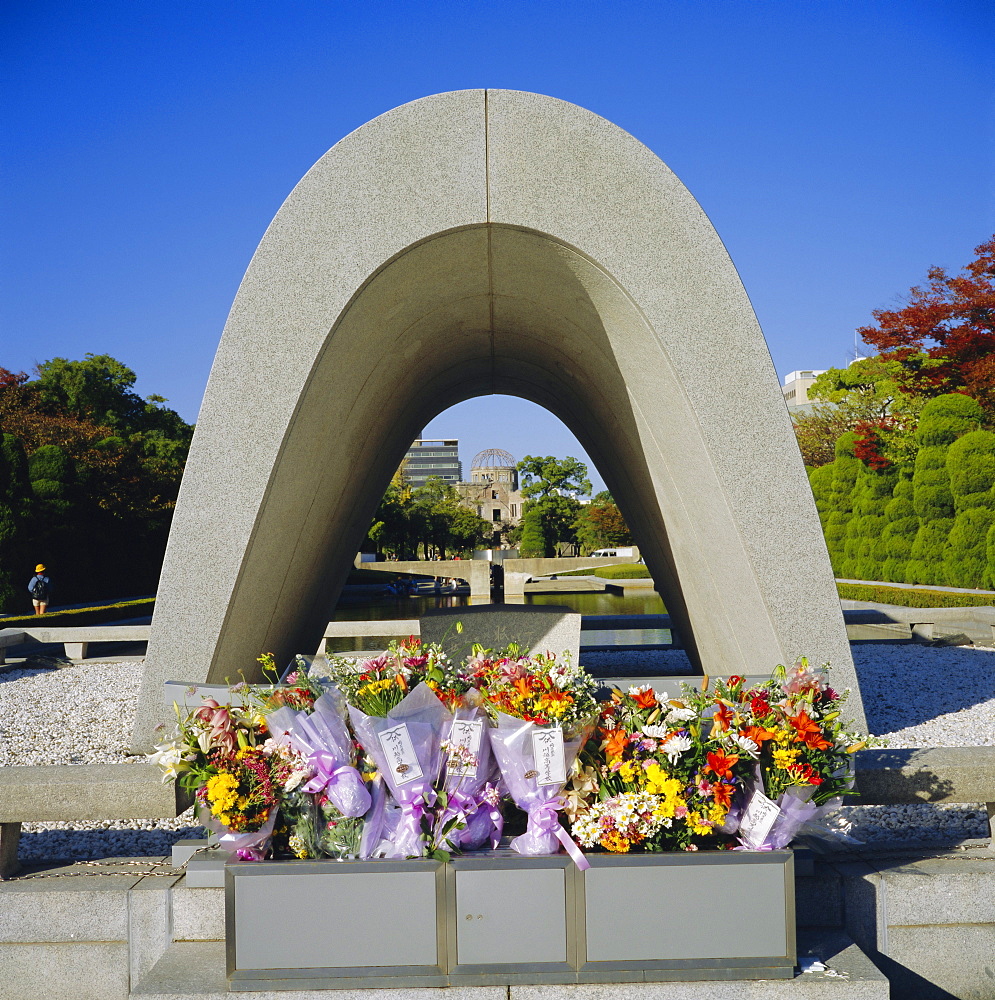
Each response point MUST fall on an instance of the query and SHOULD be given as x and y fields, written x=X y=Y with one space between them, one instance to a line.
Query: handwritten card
x=550 y=760
x=758 y=818
x=465 y=733
x=401 y=757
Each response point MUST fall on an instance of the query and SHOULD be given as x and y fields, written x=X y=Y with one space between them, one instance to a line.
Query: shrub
x=925 y=563
x=966 y=554
x=971 y=468
x=946 y=418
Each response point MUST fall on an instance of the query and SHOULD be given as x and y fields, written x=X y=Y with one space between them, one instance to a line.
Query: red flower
x=758 y=734
x=759 y=706
x=645 y=699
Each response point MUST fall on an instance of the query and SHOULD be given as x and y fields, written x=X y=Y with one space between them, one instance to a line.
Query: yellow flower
x=699 y=824
x=783 y=758
x=717 y=813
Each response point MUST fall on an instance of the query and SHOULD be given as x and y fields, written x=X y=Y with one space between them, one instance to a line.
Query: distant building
x=433 y=457
x=492 y=490
x=795 y=389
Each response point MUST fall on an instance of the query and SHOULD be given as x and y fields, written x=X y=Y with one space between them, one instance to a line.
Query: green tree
x=532 y=542
x=600 y=525
x=901 y=525
x=943 y=420
x=15 y=505
x=971 y=467
x=864 y=547
x=104 y=472
x=863 y=396
x=550 y=486
x=837 y=503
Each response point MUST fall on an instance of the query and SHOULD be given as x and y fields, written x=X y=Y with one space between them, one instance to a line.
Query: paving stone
x=64 y=971
x=198 y=914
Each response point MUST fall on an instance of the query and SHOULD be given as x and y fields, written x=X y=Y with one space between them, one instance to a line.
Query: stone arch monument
x=477 y=242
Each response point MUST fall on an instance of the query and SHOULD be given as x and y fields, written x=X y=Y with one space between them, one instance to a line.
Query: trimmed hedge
x=84 y=616
x=912 y=598
x=616 y=571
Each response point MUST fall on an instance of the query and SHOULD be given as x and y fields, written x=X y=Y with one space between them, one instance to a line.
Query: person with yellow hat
x=40 y=589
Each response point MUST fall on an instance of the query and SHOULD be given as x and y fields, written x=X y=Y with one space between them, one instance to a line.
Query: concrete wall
x=491 y=242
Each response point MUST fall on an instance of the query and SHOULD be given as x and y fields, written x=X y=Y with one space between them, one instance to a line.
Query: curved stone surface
x=490 y=242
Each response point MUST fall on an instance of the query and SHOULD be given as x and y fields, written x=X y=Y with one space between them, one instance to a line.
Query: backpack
x=40 y=589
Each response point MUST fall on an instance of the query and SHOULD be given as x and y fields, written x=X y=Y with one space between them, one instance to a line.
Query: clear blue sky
x=839 y=148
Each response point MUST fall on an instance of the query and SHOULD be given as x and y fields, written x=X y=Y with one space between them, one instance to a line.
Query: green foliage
x=912 y=598
x=946 y=418
x=966 y=554
x=550 y=486
x=821 y=481
x=899 y=532
x=838 y=505
x=925 y=563
x=532 y=543
x=96 y=470
x=431 y=517
x=971 y=467
x=52 y=463
x=616 y=571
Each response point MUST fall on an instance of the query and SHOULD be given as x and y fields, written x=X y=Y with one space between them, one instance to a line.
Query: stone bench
x=74 y=639
x=932 y=774
x=80 y=792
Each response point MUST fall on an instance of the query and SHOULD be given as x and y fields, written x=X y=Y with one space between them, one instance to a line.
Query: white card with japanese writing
x=758 y=818
x=400 y=753
x=465 y=733
x=550 y=760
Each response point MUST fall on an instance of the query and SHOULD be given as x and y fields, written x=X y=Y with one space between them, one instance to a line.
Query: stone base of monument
x=500 y=919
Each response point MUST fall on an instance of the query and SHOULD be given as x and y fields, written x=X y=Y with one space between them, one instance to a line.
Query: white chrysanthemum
x=681 y=715
x=746 y=745
x=675 y=746
x=657 y=732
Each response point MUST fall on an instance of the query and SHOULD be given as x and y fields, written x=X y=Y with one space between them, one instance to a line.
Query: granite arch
x=483 y=242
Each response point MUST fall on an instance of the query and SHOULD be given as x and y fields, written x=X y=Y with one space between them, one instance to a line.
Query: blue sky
x=839 y=148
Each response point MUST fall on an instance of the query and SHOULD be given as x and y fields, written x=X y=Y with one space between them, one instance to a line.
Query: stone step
x=196 y=970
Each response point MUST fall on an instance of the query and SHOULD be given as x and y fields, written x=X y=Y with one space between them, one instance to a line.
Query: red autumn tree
x=944 y=337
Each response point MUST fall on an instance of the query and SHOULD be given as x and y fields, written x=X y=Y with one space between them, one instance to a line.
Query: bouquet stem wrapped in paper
x=406 y=747
x=324 y=740
x=768 y=825
x=535 y=761
x=472 y=799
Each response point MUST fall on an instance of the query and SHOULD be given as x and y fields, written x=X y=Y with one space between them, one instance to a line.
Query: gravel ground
x=915 y=696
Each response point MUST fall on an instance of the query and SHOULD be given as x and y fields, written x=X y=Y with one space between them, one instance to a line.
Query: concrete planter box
x=500 y=919
x=700 y=915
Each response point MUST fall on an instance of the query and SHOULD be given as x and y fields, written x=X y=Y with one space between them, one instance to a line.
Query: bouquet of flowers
x=469 y=786
x=239 y=775
x=801 y=749
x=658 y=779
x=401 y=723
x=544 y=711
x=330 y=806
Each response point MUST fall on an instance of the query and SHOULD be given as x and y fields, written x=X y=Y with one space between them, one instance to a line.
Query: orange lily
x=722 y=718
x=645 y=699
x=758 y=734
x=720 y=763
x=808 y=731
x=618 y=740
